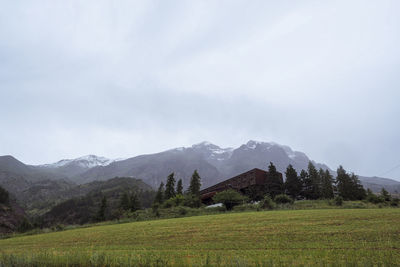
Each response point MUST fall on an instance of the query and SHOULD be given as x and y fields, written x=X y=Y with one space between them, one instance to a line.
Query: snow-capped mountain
x=88 y=161
x=212 y=162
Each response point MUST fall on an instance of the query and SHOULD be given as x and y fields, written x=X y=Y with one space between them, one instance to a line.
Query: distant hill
x=214 y=164
x=83 y=206
x=38 y=188
x=11 y=215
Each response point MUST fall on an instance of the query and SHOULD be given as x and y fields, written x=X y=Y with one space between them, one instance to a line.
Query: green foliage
x=305 y=184
x=327 y=181
x=349 y=187
x=24 y=226
x=283 y=199
x=178 y=200
x=229 y=198
x=4 y=196
x=395 y=202
x=293 y=184
x=385 y=195
x=274 y=185
x=267 y=203
x=313 y=185
x=195 y=184
x=134 y=203
x=101 y=214
x=338 y=201
x=170 y=187
x=160 y=194
x=192 y=201
x=372 y=198
x=124 y=201
x=179 y=187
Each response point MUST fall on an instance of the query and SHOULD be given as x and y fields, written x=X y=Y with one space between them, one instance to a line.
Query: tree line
x=173 y=195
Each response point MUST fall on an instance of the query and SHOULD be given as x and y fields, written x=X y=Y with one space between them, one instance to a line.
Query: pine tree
x=315 y=180
x=134 y=203
x=274 y=184
x=160 y=194
x=304 y=184
x=179 y=187
x=385 y=195
x=101 y=214
x=293 y=183
x=344 y=184
x=327 y=180
x=170 y=187
x=124 y=201
x=195 y=184
x=358 y=190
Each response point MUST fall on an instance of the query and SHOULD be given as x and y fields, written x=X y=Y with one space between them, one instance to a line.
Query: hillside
x=284 y=238
x=82 y=207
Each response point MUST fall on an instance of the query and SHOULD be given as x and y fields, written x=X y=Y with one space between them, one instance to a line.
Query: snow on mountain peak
x=88 y=161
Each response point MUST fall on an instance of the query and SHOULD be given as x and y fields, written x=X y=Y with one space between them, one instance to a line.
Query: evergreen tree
x=327 y=187
x=170 y=187
x=344 y=184
x=101 y=214
x=349 y=186
x=160 y=194
x=124 y=201
x=315 y=182
x=293 y=183
x=385 y=195
x=304 y=184
x=179 y=187
x=274 y=185
x=195 y=184
x=134 y=203
x=358 y=190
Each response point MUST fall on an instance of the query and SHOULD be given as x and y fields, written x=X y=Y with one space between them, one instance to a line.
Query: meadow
x=317 y=237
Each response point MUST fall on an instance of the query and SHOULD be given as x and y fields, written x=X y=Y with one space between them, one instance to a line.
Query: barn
x=244 y=183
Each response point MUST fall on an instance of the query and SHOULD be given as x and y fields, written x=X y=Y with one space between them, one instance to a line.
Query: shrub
x=283 y=199
x=395 y=202
x=229 y=198
x=267 y=203
x=191 y=201
x=338 y=201
x=372 y=198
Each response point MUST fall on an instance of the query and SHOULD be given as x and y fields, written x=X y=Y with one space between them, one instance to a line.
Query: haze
x=123 y=78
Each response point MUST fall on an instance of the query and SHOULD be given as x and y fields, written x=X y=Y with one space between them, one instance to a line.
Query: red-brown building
x=242 y=182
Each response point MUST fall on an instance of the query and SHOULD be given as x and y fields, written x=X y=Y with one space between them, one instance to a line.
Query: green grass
x=328 y=237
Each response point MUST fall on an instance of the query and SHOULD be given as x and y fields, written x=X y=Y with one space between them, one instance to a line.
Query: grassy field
x=329 y=237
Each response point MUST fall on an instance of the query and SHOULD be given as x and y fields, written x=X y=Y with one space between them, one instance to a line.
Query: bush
x=338 y=201
x=283 y=199
x=372 y=198
x=24 y=226
x=175 y=201
x=229 y=198
x=191 y=201
x=267 y=203
x=395 y=202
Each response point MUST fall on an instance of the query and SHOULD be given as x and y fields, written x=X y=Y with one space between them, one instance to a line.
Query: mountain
x=30 y=184
x=214 y=164
x=74 y=167
x=36 y=186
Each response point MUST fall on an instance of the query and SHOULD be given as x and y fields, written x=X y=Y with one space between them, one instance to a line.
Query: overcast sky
x=123 y=78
